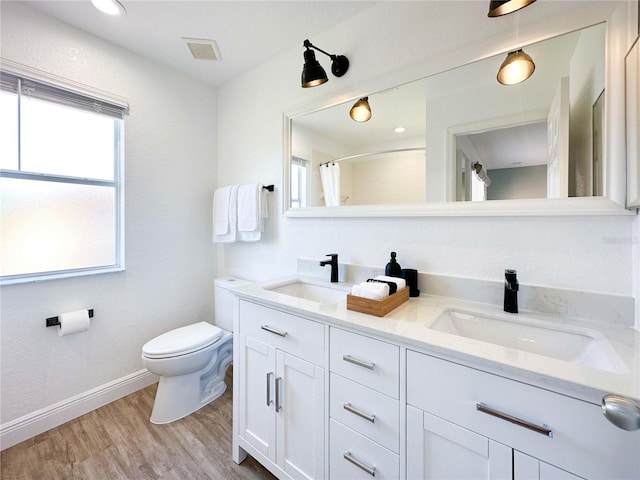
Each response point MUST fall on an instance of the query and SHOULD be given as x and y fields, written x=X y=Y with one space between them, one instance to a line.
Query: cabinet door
x=257 y=372
x=300 y=417
x=438 y=449
x=526 y=467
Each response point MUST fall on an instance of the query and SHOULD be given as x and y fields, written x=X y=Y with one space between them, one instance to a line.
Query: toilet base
x=182 y=395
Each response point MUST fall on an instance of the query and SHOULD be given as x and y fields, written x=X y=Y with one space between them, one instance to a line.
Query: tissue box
x=379 y=308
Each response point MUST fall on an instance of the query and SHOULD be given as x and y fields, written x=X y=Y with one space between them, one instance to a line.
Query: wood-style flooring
x=118 y=441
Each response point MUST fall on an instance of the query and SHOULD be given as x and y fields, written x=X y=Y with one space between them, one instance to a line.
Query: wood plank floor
x=118 y=441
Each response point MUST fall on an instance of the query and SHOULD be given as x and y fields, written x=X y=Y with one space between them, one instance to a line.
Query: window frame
x=300 y=196
x=114 y=105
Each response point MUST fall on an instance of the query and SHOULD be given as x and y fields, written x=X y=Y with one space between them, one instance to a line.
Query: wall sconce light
x=498 y=8
x=361 y=110
x=313 y=74
x=516 y=68
x=110 y=7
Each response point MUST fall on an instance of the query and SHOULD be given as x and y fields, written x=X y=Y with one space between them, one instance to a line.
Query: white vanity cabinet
x=437 y=448
x=282 y=391
x=364 y=429
x=549 y=434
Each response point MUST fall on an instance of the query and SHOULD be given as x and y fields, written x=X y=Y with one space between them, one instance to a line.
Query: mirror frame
x=612 y=203
x=632 y=67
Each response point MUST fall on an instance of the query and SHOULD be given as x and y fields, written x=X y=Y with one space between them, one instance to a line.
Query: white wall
x=519 y=182
x=574 y=252
x=170 y=173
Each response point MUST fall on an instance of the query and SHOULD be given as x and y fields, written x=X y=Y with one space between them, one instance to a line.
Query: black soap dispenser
x=393 y=268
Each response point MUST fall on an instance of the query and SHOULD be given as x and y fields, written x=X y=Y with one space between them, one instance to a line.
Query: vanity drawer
x=578 y=429
x=367 y=361
x=366 y=411
x=295 y=335
x=358 y=448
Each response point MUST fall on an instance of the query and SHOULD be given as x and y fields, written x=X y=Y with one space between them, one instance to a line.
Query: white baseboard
x=35 y=423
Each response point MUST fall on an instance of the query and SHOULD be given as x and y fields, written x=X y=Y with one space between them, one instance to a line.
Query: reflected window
x=299 y=172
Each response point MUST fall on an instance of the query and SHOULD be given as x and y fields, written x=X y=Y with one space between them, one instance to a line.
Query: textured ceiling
x=247 y=32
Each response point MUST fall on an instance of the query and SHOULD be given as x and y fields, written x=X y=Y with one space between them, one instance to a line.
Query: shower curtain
x=330 y=177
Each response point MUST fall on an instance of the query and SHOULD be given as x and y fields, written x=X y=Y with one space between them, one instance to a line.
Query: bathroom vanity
x=324 y=392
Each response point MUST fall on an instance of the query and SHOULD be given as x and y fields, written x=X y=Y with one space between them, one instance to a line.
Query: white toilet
x=191 y=361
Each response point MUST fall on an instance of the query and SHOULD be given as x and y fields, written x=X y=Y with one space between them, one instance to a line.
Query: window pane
x=60 y=140
x=8 y=130
x=48 y=226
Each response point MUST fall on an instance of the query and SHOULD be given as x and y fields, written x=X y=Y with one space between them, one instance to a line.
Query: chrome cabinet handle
x=515 y=420
x=350 y=408
x=370 y=470
x=623 y=412
x=278 y=404
x=356 y=361
x=273 y=330
x=269 y=402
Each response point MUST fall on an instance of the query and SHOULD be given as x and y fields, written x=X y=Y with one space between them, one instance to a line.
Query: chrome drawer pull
x=523 y=423
x=360 y=363
x=278 y=404
x=350 y=408
x=370 y=470
x=273 y=330
x=269 y=389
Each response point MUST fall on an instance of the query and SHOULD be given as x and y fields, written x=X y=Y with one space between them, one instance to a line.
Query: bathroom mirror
x=459 y=137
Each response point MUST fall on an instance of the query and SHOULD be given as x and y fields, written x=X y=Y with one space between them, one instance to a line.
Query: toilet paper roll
x=73 y=322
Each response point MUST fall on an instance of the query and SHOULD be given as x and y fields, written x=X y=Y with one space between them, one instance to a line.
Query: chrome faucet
x=510 y=291
x=334 y=266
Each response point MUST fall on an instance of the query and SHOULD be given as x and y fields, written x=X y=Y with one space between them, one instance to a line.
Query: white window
x=298 y=182
x=61 y=158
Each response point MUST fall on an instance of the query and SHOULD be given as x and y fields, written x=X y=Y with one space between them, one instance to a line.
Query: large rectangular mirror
x=461 y=136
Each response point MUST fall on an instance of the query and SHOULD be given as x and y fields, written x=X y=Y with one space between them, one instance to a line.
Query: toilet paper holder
x=55 y=321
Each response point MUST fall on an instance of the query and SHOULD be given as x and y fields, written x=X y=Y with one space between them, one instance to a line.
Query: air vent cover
x=203 y=49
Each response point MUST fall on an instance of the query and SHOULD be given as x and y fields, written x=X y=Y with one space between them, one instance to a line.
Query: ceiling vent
x=203 y=49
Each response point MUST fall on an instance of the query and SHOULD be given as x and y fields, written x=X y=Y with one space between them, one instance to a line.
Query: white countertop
x=409 y=324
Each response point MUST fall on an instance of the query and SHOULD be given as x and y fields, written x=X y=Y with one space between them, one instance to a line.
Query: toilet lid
x=182 y=340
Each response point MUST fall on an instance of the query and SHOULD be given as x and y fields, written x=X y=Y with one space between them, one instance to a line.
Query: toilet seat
x=182 y=341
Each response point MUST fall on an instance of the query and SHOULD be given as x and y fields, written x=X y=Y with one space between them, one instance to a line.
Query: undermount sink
x=570 y=344
x=314 y=291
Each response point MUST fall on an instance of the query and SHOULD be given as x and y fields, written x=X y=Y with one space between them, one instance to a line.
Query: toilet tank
x=223 y=300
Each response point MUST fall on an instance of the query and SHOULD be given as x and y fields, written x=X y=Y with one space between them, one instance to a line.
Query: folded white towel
x=400 y=282
x=232 y=218
x=221 y=199
x=252 y=211
x=249 y=212
x=371 y=290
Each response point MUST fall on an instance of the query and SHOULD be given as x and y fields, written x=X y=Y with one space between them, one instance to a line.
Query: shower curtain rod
x=370 y=154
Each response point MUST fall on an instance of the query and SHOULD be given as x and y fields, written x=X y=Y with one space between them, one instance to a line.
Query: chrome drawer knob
x=621 y=411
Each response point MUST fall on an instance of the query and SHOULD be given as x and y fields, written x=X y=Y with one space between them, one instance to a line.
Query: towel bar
x=268 y=188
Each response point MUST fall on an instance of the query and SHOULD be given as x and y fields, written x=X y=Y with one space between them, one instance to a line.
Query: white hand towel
x=374 y=290
x=261 y=213
x=221 y=199
x=249 y=208
x=400 y=282
x=230 y=235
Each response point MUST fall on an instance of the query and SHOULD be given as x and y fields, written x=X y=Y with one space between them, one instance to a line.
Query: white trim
x=490 y=208
x=31 y=73
x=35 y=423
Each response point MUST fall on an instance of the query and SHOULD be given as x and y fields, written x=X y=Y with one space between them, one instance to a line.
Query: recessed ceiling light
x=110 y=7
x=399 y=129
